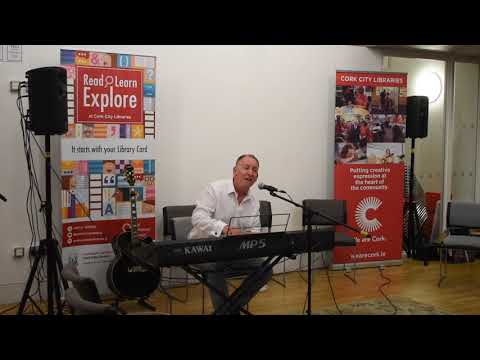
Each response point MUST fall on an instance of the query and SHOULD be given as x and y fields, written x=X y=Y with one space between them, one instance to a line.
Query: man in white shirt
x=218 y=203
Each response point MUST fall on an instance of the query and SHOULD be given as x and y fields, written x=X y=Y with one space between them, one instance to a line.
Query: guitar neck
x=133 y=212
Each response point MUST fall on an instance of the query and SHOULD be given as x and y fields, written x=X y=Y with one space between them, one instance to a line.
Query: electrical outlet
x=14 y=85
x=19 y=252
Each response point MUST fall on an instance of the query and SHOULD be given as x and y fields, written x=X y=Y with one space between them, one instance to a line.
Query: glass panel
x=465 y=125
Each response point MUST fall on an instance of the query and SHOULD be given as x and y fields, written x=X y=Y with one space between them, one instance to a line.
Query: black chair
x=463 y=226
x=170 y=212
x=265 y=214
x=335 y=209
x=266 y=222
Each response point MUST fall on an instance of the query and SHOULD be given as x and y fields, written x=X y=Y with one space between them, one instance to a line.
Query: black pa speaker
x=47 y=97
x=417 y=116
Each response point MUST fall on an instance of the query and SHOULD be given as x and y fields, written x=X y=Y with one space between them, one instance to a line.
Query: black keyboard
x=177 y=253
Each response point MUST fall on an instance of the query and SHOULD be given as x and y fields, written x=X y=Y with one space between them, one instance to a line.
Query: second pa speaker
x=47 y=97
x=417 y=116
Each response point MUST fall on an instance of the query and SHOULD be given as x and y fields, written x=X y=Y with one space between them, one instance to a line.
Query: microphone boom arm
x=314 y=212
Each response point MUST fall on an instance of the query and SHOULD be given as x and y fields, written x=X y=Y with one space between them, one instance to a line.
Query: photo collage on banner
x=370 y=129
x=111 y=124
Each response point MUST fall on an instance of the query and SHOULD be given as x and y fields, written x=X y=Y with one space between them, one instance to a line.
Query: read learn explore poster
x=370 y=128
x=111 y=123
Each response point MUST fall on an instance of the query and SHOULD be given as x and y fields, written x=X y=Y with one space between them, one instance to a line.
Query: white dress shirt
x=217 y=206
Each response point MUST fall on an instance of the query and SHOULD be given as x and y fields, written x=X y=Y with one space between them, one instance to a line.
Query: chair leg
x=443 y=267
x=203 y=299
x=187 y=285
x=169 y=299
x=284 y=283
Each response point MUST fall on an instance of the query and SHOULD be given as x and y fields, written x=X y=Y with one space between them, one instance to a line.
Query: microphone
x=262 y=186
x=3 y=197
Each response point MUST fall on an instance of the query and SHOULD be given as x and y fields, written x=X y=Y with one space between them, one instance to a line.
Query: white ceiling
x=459 y=50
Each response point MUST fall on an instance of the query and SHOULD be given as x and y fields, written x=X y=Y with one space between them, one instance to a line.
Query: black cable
x=33 y=191
x=381 y=291
x=332 y=292
x=329 y=281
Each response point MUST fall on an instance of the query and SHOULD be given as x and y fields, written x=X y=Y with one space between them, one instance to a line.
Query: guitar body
x=126 y=277
x=130 y=280
x=122 y=242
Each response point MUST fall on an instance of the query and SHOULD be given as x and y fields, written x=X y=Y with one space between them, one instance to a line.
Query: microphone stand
x=309 y=214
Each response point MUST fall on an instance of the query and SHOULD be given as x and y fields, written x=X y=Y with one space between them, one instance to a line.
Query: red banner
x=370 y=129
x=109 y=95
x=374 y=205
x=102 y=232
x=371 y=79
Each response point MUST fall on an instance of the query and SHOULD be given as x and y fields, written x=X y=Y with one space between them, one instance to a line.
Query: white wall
x=213 y=103
x=429 y=151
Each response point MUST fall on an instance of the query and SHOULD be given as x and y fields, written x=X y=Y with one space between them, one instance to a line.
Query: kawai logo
x=366 y=224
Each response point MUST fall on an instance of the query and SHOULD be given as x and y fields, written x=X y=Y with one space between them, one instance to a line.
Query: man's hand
x=231 y=231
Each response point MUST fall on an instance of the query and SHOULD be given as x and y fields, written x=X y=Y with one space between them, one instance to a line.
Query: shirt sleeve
x=254 y=219
x=202 y=216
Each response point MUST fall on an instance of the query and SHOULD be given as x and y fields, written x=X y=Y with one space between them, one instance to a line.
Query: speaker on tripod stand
x=417 y=127
x=47 y=115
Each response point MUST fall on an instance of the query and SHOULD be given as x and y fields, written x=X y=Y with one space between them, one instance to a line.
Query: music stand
x=253 y=223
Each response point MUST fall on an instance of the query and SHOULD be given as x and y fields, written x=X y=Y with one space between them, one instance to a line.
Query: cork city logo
x=365 y=208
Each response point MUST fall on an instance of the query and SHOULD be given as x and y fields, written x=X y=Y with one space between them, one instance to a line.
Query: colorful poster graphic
x=370 y=127
x=111 y=124
x=109 y=95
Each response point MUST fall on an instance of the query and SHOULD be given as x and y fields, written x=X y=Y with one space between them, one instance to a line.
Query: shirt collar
x=231 y=190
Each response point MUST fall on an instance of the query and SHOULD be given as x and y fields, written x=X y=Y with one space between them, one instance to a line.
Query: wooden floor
x=458 y=294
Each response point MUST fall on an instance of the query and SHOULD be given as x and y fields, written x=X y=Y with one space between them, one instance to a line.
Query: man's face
x=245 y=173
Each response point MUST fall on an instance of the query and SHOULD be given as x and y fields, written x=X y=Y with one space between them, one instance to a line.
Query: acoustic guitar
x=127 y=276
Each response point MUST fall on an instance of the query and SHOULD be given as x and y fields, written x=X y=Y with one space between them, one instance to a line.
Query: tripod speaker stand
x=47 y=96
x=417 y=127
x=48 y=247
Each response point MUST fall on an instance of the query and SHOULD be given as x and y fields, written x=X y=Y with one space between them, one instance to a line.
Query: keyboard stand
x=230 y=306
x=200 y=277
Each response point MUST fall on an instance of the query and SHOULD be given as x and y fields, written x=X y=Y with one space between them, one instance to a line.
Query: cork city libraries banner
x=111 y=123
x=370 y=118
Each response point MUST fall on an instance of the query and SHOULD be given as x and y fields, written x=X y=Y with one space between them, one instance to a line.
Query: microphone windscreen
x=260 y=185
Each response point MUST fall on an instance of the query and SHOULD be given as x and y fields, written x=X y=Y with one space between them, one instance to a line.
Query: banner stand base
x=370 y=264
